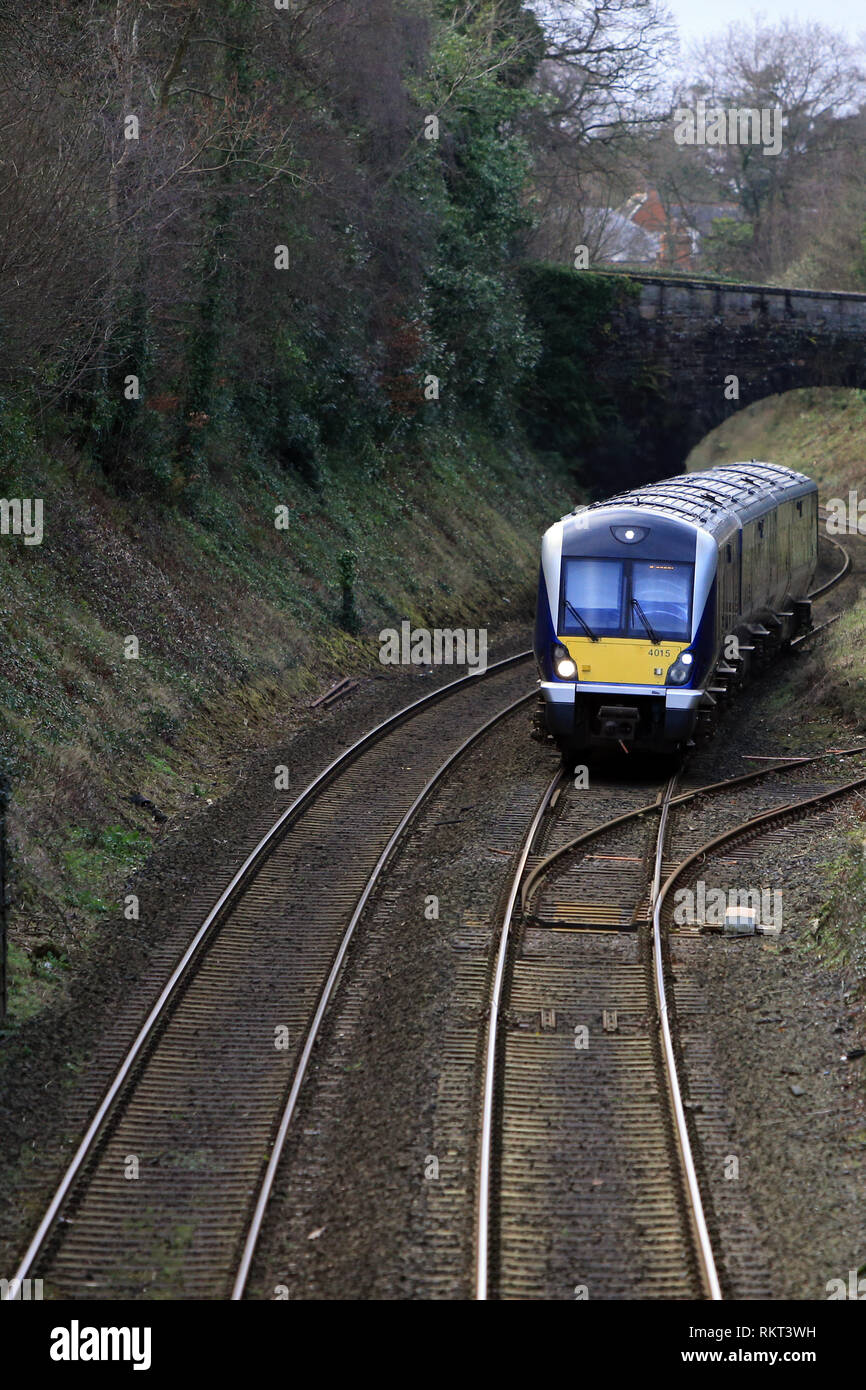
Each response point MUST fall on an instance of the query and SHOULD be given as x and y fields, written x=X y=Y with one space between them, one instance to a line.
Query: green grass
x=838 y=937
x=27 y=993
x=92 y=860
x=159 y=764
x=820 y=431
x=89 y=855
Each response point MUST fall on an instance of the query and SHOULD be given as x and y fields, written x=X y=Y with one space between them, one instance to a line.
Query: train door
x=747 y=568
x=763 y=563
x=771 y=555
x=729 y=583
x=783 y=557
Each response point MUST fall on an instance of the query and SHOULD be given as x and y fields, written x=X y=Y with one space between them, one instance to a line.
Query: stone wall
x=681 y=339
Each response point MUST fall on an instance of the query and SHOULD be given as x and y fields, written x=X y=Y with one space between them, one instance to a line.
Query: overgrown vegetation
x=838 y=934
x=565 y=409
x=818 y=430
x=282 y=234
x=238 y=624
x=258 y=323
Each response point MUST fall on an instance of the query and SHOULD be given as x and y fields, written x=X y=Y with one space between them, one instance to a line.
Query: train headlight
x=563 y=664
x=681 y=670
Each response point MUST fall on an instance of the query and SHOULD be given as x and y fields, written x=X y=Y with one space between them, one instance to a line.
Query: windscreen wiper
x=593 y=637
x=653 y=635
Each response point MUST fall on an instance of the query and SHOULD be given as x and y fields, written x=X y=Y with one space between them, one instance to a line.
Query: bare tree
x=816 y=78
x=603 y=81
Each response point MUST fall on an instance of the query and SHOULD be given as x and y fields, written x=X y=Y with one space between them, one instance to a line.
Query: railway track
x=844 y=568
x=166 y=1192
x=592 y=1180
x=587 y=1177
x=584 y=1190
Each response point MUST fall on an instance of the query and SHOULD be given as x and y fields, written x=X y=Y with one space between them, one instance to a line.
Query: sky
x=696 y=18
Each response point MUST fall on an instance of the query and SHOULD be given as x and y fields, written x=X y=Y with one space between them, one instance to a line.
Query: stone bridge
x=674 y=345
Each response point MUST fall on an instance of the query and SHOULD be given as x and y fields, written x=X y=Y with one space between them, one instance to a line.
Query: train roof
x=711 y=498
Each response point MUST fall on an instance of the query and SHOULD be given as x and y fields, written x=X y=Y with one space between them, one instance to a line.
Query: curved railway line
x=588 y=1176
x=166 y=1192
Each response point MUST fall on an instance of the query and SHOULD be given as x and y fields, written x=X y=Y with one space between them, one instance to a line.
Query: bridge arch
x=648 y=359
x=697 y=335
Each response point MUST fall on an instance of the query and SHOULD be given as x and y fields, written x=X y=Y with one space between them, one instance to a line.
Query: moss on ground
x=838 y=934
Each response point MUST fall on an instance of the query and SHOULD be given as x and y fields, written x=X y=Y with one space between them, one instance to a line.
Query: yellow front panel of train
x=622 y=660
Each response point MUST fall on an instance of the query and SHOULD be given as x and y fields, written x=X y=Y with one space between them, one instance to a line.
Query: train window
x=800 y=506
x=664 y=594
x=618 y=598
x=730 y=552
x=760 y=528
x=594 y=589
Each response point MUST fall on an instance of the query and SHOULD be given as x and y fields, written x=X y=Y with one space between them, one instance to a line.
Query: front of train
x=625 y=627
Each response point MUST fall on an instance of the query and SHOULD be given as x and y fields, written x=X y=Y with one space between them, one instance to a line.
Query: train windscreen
x=626 y=598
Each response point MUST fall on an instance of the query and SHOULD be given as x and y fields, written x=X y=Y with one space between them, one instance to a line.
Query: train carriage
x=652 y=605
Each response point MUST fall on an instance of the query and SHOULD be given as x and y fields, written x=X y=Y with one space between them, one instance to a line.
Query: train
x=655 y=605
